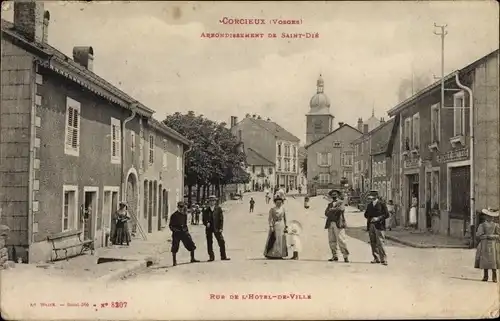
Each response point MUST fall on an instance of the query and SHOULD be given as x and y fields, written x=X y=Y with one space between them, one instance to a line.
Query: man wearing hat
x=336 y=224
x=180 y=233
x=488 y=249
x=376 y=213
x=213 y=219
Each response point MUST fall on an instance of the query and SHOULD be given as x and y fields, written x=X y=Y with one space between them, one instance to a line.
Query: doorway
x=110 y=205
x=413 y=191
x=160 y=206
x=150 y=207
x=90 y=211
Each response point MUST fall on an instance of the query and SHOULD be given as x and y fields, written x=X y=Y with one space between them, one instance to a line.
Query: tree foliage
x=303 y=167
x=214 y=158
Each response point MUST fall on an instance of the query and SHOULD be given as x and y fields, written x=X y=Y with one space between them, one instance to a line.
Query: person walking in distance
x=252 y=204
x=180 y=233
x=213 y=219
x=336 y=224
x=376 y=213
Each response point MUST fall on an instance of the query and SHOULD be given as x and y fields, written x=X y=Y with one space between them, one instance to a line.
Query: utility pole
x=442 y=34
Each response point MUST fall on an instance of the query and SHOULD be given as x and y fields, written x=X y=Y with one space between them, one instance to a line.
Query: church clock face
x=318 y=124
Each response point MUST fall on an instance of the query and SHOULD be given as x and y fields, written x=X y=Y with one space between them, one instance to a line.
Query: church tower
x=319 y=120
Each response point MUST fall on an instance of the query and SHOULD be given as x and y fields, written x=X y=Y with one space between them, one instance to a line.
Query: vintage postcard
x=260 y=160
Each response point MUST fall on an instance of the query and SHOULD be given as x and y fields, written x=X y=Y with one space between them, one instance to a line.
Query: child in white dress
x=294 y=232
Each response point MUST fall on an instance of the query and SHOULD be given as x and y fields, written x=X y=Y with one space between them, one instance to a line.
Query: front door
x=90 y=211
x=460 y=194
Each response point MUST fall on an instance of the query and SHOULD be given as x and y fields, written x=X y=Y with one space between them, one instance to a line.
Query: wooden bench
x=56 y=238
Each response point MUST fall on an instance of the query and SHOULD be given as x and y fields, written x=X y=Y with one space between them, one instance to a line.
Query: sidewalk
x=124 y=260
x=421 y=239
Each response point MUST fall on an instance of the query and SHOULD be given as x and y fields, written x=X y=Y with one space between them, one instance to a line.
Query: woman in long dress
x=122 y=232
x=276 y=247
x=488 y=249
x=413 y=212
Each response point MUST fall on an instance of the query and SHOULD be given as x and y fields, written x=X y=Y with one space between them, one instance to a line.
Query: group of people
x=212 y=219
x=280 y=237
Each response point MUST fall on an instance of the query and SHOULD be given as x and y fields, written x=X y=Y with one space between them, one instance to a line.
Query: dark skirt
x=122 y=233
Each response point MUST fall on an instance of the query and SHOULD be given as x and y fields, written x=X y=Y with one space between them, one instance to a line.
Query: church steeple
x=320 y=84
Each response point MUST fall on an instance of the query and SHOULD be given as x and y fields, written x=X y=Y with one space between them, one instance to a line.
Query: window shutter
x=69 y=129
x=342 y=159
x=118 y=140
x=329 y=159
x=318 y=158
x=76 y=128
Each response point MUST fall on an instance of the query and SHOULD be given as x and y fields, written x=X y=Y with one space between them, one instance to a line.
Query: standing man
x=178 y=226
x=336 y=224
x=252 y=204
x=213 y=219
x=376 y=213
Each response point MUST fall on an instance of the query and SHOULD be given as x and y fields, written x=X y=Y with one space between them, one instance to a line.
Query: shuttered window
x=72 y=139
x=115 y=141
x=458 y=114
x=151 y=149
x=165 y=153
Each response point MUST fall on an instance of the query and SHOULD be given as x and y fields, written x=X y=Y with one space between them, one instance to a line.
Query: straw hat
x=295 y=225
x=277 y=197
x=490 y=212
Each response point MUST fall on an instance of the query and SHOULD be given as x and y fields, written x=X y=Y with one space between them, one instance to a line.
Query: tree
x=214 y=159
x=303 y=167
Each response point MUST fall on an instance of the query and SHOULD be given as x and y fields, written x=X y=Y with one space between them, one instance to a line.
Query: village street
x=416 y=283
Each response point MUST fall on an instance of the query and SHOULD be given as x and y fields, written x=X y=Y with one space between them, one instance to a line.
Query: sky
x=366 y=53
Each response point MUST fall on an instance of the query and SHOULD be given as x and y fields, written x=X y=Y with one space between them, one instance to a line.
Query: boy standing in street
x=180 y=233
x=252 y=204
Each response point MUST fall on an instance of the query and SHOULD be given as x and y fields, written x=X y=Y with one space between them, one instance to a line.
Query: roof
x=161 y=127
x=373 y=131
x=380 y=146
x=330 y=133
x=436 y=85
x=278 y=131
x=51 y=58
x=254 y=158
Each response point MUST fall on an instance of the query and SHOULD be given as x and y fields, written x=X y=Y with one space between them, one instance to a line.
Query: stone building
x=261 y=171
x=380 y=159
x=273 y=142
x=435 y=150
x=330 y=158
x=72 y=145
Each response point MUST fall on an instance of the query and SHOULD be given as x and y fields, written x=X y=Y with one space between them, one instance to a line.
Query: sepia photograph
x=249 y=160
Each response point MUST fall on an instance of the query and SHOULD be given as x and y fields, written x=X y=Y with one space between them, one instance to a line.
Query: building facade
x=319 y=120
x=272 y=142
x=435 y=148
x=73 y=145
x=330 y=158
x=380 y=159
x=261 y=171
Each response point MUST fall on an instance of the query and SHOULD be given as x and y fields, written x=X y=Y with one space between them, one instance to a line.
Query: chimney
x=254 y=116
x=382 y=120
x=341 y=123
x=258 y=117
x=268 y=119
x=234 y=121
x=247 y=116
x=46 y=19
x=360 y=124
x=365 y=129
x=29 y=19
x=84 y=56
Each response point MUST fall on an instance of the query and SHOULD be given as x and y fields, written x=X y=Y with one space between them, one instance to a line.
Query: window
x=294 y=151
x=270 y=171
x=294 y=167
x=337 y=144
x=262 y=170
x=279 y=149
x=70 y=208
x=407 y=136
x=151 y=149
x=346 y=159
x=416 y=131
x=115 y=141
x=435 y=123
x=72 y=139
x=278 y=164
x=253 y=169
x=324 y=159
x=132 y=140
x=179 y=157
x=165 y=154
x=458 y=115
x=324 y=178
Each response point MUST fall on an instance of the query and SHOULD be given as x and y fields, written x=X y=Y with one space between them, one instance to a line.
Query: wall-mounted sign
x=412 y=163
x=453 y=155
